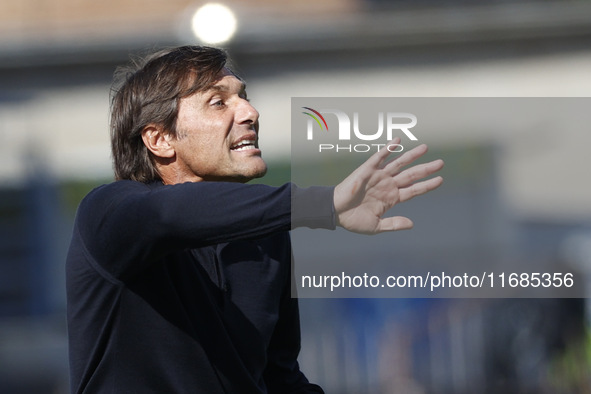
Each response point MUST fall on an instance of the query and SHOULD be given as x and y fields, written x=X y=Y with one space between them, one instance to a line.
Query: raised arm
x=129 y=222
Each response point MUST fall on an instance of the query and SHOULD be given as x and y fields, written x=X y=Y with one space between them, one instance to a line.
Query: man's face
x=217 y=134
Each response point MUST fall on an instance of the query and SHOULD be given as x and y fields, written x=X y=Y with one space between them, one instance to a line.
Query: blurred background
x=57 y=58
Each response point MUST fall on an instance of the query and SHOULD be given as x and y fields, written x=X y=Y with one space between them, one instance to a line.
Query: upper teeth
x=244 y=144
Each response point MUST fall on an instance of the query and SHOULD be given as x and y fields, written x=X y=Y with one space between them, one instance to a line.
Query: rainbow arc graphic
x=315 y=118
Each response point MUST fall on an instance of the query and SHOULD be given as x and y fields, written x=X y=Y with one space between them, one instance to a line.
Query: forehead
x=227 y=81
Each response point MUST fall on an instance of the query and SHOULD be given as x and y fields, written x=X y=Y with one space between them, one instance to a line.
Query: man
x=178 y=274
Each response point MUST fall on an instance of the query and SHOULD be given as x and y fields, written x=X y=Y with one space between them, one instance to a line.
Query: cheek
x=206 y=151
x=213 y=132
x=205 y=141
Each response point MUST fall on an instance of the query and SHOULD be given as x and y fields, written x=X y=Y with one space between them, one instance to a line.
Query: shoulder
x=104 y=196
x=114 y=190
x=117 y=187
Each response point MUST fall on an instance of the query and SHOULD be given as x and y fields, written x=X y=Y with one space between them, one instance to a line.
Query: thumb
x=394 y=223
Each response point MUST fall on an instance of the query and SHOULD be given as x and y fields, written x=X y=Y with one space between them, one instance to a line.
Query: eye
x=219 y=103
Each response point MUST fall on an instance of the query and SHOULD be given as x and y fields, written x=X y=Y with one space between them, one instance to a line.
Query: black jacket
x=186 y=288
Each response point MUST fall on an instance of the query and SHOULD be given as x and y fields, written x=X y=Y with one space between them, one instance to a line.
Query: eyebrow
x=225 y=88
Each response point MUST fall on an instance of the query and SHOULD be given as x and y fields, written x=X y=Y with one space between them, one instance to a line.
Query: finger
x=394 y=223
x=420 y=171
x=378 y=158
x=419 y=188
x=405 y=159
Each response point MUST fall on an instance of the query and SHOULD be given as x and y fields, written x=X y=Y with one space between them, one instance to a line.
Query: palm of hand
x=363 y=197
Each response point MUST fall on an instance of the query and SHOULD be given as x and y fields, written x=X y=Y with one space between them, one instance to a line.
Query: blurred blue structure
x=33 y=232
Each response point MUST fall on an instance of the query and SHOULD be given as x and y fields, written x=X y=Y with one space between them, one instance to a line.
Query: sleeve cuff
x=313 y=207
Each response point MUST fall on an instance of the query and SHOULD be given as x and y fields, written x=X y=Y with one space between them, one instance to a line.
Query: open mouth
x=244 y=145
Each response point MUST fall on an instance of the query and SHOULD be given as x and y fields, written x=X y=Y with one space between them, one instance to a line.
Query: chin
x=252 y=173
x=261 y=173
x=258 y=173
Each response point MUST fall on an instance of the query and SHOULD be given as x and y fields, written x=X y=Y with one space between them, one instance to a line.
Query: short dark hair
x=148 y=91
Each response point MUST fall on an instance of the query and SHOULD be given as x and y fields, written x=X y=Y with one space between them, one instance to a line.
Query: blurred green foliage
x=570 y=372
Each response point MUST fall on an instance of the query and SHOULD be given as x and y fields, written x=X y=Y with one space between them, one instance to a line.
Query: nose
x=246 y=113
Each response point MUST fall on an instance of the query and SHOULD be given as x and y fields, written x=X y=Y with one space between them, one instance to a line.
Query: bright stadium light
x=213 y=23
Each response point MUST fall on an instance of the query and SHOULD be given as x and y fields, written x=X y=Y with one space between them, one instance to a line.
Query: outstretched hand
x=377 y=185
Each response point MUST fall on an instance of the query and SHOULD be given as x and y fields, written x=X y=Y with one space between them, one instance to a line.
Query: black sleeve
x=312 y=207
x=129 y=222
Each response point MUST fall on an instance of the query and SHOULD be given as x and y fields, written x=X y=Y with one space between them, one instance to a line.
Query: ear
x=158 y=141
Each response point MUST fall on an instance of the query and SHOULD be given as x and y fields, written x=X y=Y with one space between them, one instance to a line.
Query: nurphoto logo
x=390 y=122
